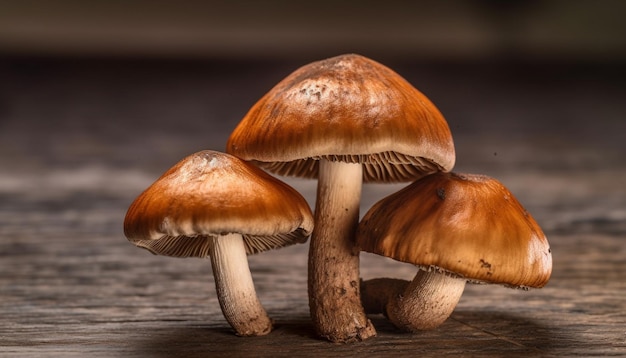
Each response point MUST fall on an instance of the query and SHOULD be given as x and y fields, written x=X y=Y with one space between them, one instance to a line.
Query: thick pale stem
x=334 y=298
x=235 y=289
x=426 y=302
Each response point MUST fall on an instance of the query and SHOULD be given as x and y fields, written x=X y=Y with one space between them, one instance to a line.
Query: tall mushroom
x=343 y=120
x=456 y=228
x=215 y=205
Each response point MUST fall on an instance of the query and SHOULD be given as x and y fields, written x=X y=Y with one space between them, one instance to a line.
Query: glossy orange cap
x=346 y=108
x=462 y=224
x=209 y=194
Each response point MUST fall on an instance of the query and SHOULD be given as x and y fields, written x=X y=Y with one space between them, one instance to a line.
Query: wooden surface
x=79 y=141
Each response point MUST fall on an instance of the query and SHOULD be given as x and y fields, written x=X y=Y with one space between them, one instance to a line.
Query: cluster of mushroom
x=344 y=120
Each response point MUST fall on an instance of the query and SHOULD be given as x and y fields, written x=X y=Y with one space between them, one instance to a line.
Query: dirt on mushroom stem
x=334 y=292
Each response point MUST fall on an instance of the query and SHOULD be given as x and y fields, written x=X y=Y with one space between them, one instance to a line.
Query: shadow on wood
x=466 y=332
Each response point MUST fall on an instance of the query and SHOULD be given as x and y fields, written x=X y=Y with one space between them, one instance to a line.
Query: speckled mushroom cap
x=211 y=193
x=461 y=224
x=346 y=108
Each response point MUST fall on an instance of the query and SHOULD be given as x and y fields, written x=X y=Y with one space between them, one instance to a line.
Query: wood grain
x=71 y=284
x=78 y=291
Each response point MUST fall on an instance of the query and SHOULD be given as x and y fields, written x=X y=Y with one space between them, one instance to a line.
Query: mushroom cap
x=465 y=225
x=208 y=194
x=346 y=108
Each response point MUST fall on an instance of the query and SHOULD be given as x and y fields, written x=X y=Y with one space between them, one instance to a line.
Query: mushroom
x=343 y=120
x=456 y=228
x=215 y=205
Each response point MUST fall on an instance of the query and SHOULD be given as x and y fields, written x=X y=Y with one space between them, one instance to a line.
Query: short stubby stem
x=376 y=293
x=235 y=289
x=426 y=302
x=334 y=298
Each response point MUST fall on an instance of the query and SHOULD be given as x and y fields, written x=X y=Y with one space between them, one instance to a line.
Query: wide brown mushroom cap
x=346 y=108
x=209 y=194
x=461 y=224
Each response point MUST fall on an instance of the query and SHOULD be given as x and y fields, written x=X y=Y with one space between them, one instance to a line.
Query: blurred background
x=98 y=98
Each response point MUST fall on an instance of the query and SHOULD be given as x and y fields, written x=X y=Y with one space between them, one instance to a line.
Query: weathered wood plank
x=71 y=285
x=99 y=295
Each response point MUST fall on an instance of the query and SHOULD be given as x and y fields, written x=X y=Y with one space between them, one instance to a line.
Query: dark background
x=97 y=78
x=96 y=94
x=100 y=97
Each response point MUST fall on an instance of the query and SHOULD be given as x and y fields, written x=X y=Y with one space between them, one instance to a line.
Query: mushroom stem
x=426 y=302
x=334 y=298
x=235 y=289
x=378 y=292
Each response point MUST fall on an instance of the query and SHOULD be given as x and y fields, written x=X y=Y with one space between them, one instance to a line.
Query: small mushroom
x=455 y=228
x=215 y=205
x=343 y=120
